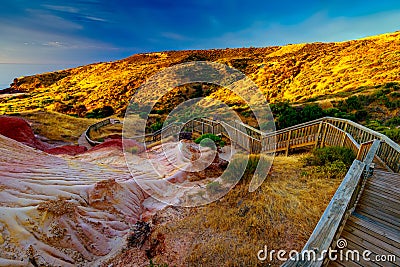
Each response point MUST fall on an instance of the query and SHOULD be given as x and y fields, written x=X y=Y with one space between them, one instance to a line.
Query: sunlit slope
x=292 y=72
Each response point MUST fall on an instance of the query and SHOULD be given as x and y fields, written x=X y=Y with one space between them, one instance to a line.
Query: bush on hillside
x=332 y=162
x=214 y=138
x=238 y=164
x=327 y=155
x=393 y=134
x=99 y=113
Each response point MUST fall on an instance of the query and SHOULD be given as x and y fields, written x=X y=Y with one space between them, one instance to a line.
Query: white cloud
x=68 y=9
x=174 y=36
x=46 y=20
x=20 y=45
x=95 y=18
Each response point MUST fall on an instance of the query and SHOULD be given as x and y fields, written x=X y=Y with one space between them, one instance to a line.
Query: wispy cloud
x=95 y=19
x=174 y=36
x=97 y=30
x=44 y=21
x=68 y=9
x=21 y=45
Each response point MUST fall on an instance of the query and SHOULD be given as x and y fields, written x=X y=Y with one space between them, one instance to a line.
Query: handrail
x=96 y=126
x=366 y=129
x=331 y=131
x=296 y=127
x=339 y=208
x=253 y=140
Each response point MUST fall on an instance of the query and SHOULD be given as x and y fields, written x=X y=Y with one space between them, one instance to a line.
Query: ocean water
x=9 y=71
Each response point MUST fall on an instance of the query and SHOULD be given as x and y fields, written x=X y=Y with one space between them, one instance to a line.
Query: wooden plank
x=379 y=204
x=365 y=241
x=389 y=198
x=355 y=242
x=328 y=226
x=373 y=217
x=384 y=186
x=391 y=180
x=335 y=264
x=369 y=241
x=347 y=263
x=382 y=189
x=380 y=231
x=380 y=215
x=288 y=142
x=390 y=175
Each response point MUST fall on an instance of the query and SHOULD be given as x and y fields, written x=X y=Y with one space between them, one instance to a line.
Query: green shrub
x=156 y=126
x=333 y=170
x=152 y=264
x=99 y=113
x=133 y=150
x=395 y=94
x=208 y=143
x=327 y=155
x=216 y=139
x=238 y=164
x=361 y=115
x=143 y=115
x=332 y=162
x=393 y=122
x=288 y=115
x=393 y=134
x=311 y=112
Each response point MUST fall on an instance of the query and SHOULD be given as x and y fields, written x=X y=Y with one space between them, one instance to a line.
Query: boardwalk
x=375 y=223
x=365 y=210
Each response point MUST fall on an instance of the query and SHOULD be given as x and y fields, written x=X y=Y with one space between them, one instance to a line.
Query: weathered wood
x=289 y=134
x=321 y=132
x=318 y=134
x=324 y=233
x=97 y=126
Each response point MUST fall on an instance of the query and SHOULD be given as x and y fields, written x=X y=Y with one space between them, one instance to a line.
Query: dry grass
x=106 y=131
x=281 y=214
x=56 y=126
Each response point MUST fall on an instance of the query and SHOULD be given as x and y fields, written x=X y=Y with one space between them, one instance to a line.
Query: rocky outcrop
x=61 y=211
x=20 y=130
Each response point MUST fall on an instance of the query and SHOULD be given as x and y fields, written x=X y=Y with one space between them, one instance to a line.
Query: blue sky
x=76 y=32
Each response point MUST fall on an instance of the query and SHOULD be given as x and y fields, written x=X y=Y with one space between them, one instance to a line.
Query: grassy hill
x=325 y=73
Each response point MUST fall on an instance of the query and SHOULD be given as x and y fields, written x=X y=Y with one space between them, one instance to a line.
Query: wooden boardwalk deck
x=375 y=223
x=365 y=209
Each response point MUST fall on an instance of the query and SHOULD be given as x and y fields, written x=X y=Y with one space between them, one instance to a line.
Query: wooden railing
x=389 y=151
x=326 y=131
x=97 y=126
x=339 y=209
x=366 y=143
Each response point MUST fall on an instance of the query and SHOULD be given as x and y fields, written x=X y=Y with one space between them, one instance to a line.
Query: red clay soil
x=19 y=130
x=66 y=150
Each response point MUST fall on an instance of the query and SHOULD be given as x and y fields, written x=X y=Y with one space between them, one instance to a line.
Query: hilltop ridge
x=295 y=72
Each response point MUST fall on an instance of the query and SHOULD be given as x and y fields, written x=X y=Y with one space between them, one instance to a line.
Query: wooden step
x=381 y=231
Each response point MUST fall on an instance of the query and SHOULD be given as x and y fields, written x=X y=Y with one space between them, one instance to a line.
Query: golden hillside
x=293 y=72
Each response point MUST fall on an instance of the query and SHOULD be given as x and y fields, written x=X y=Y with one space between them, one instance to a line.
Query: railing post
x=318 y=134
x=288 y=142
x=324 y=135
x=343 y=139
